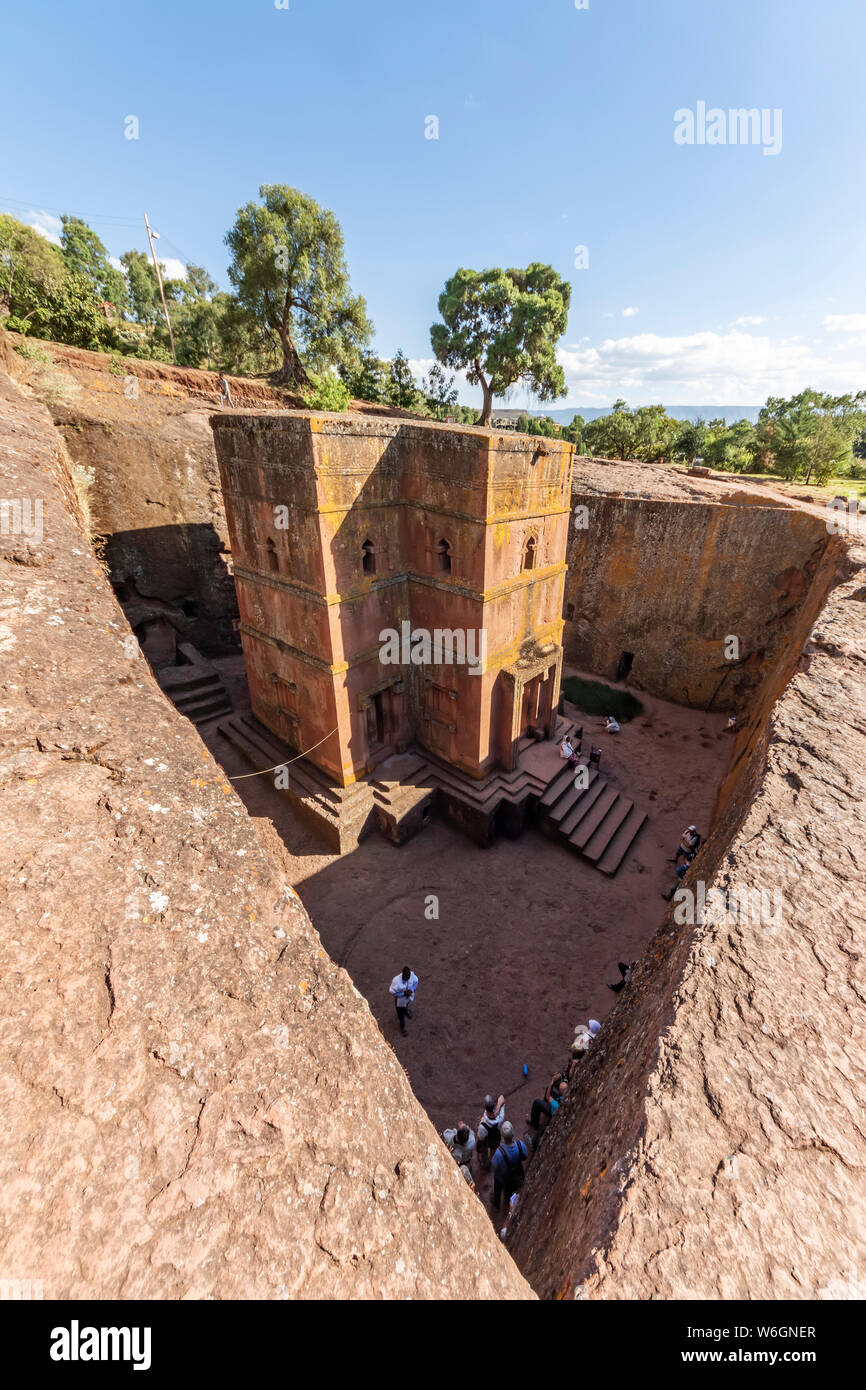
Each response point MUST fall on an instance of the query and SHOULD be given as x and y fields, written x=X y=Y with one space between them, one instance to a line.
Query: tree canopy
x=290 y=278
x=502 y=326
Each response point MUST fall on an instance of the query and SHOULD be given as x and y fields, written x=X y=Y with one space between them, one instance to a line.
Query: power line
x=37 y=205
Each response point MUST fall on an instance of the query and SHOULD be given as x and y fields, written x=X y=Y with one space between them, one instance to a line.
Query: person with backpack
x=489 y=1127
x=508 y=1162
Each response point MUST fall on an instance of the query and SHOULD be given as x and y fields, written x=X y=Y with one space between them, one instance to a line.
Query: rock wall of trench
x=713 y=1145
x=672 y=580
x=196 y=1101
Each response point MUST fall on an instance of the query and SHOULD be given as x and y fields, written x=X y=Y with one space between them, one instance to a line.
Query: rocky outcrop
x=713 y=1146
x=196 y=1101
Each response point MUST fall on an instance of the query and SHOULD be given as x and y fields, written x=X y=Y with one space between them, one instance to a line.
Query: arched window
x=368 y=557
x=443 y=557
x=273 y=558
x=529 y=554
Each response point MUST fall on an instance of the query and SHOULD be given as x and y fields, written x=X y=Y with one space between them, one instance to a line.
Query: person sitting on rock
x=461 y=1142
x=508 y=1161
x=611 y=725
x=489 y=1128
x=682 y=870
x=547 y=1107
x=625 y=972
x=566 y=751
x=688 y=846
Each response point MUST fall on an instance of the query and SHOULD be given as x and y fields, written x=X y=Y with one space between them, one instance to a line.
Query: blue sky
x=717 y=274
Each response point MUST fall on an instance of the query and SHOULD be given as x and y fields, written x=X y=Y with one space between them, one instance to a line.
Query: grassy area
x=594 y=698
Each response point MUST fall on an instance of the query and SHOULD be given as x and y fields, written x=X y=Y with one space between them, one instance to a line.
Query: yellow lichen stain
x=562 y=1292
x=303 y=986
x=585 y=1188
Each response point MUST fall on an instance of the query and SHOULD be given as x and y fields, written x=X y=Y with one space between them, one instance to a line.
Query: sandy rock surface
x=715 y=1144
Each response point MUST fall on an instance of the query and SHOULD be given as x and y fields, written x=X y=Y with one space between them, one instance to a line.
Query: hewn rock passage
x=714 y=1145
x=196 y=1101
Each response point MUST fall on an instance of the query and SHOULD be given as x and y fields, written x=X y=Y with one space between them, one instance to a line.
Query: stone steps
x=582 y=803
x=593 y=819
x=605 y=833
x=199 y=698
x=212 y=706
x=619 y=846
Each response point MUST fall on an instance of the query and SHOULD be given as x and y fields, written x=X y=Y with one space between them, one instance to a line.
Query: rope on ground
x=277 y=766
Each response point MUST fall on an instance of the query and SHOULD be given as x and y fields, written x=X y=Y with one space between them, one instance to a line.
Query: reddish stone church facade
x=399 y=584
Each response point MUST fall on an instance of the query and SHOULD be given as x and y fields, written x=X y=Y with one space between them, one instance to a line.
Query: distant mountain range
x=728 y=413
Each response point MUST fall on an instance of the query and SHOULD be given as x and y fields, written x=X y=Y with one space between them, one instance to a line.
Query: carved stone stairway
x=597 y=821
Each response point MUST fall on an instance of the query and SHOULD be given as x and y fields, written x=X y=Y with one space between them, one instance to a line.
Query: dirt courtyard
x=526 y=936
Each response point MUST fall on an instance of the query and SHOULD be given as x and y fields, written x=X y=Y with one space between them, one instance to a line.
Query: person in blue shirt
x=507 y=1165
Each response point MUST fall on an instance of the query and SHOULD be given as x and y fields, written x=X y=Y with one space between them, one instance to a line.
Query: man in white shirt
x=403 y=987
x=611 y=725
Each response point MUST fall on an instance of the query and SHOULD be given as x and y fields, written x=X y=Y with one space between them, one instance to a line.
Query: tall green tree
x=654 y=433
x=369 y=380
x=32 y=271
x=691 y=440
x=732 y=448
x=810 y=435
x=143 y=287
x=613 y=435
x=502 y=326
x=290 y=277
x=440 y=390
x=402 y=390
x=86 y=255
x=574 y=431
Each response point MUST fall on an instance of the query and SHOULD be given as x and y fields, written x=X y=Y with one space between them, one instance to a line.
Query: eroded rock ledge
x=196 y=1101
x=715 y=1145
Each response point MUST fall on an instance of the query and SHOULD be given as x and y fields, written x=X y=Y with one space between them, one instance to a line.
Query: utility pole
x=150 y=236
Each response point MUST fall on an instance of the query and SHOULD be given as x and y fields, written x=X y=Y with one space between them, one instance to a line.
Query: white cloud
x=46 y=225
x=631 y=312
x=844 y=323
x=118 y=264
x=172 y=268
x=749 y=321
x=705 y=368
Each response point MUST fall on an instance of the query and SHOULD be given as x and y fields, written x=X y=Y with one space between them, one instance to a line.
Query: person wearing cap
x=461 y=1142
x=403 y=987
x=508 y=1162
x=688 y=846
x=489 y=1127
